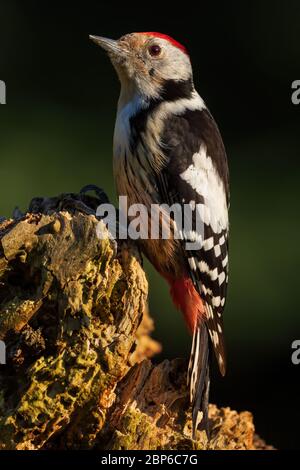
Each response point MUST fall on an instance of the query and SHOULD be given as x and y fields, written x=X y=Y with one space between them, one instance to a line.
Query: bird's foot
x=101 y=195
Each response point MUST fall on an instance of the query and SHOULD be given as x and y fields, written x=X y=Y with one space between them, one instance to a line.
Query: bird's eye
x=154 y=50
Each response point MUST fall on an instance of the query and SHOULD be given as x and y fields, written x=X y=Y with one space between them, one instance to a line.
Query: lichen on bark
x=74 y=318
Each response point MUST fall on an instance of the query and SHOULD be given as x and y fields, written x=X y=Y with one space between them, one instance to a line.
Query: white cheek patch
x=175 y=65
x=204 y=179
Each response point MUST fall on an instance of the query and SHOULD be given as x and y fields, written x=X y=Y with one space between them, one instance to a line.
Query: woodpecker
x=168 y=149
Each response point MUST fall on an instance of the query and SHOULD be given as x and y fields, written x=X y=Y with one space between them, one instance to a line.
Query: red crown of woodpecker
x=167 y=38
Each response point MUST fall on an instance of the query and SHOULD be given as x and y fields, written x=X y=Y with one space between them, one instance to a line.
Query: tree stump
x=74 y=320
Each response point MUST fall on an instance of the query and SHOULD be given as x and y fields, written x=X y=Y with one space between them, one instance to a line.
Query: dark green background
x=56 y=135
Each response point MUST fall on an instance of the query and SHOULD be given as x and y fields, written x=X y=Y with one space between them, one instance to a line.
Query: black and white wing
x=197 y=173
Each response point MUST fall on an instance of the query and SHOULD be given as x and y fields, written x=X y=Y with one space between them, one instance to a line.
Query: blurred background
x=56 y=136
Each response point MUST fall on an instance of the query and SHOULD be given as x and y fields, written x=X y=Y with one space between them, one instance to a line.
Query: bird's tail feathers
x=198 y=377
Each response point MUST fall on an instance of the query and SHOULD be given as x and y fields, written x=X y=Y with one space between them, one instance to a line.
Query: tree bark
x=74 y=319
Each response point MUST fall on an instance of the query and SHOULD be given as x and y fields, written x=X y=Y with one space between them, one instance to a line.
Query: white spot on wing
x=225 y=261
x=216 y=301
x=208 y=243
x=206 y=290
x=204 y=268
x=193 y=236
x=213 y=274
x=222 y=240
x=203 y=178
x=221 y=278
x=217 y=250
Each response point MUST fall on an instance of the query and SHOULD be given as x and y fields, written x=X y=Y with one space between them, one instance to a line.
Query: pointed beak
x=109 y=45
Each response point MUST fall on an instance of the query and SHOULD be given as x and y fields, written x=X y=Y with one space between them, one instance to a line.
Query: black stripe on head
x=173 y=90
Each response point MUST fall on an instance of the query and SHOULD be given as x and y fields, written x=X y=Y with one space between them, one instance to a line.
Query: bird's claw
x=98 y=191
x=77 y=205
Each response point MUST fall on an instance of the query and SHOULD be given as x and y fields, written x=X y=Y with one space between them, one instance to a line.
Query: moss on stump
x=73 y=316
